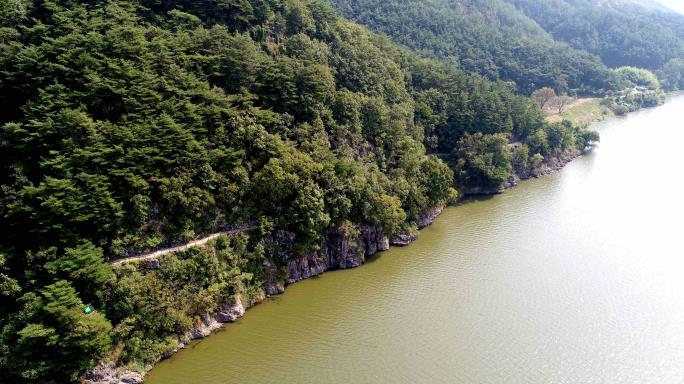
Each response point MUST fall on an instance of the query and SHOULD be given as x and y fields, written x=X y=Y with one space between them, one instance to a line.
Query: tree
x=385 y=211
x=51 y=339
x=561 y=84
x=560 y=102
x=483 y=160
x=672 y=75
x=85 y=266
x=542 y=96
x=637 y=77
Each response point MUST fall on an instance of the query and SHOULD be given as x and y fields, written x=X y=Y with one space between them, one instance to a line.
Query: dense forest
x=490 y=37
x=129 y=125
x=622 y=33
x=569 y=44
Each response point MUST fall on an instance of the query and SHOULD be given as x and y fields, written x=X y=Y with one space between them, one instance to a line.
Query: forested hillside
x=565 y=44
x=491 y=37
x=621 y=32
x=128 y=125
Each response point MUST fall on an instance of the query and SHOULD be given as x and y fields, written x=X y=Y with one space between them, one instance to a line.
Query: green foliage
x=672 y=75
x=621 y=32
x=132 y=125
x=637 y=100
x=84 y=265
x=437 y=181
x=641 y=89
x=152 y=307
x=637 y=77
x=9 y=287
x=520 y=159
x=50 y=339
x=12 y=12
x=128 y=126
x=385 y=212
x=492 y=38
x=483 y=160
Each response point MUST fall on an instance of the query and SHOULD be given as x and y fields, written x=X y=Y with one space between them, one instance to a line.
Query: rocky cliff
x=345 y=246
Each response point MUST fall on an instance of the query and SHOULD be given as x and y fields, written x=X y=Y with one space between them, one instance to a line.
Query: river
x=577 y=277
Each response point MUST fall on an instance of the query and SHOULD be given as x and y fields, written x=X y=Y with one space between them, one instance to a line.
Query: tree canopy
x=130 y=125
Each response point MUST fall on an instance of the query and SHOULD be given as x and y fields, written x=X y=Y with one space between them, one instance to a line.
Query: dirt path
x=184 y=247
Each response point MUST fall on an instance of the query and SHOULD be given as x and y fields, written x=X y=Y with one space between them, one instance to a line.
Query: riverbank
x=550 y=303
x=343 y=249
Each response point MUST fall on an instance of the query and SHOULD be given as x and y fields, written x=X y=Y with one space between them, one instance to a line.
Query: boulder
x=403 y=239
x=383 y=244
x=151 y=264
x=229 y=313
x=131 y=378
x=205 y=327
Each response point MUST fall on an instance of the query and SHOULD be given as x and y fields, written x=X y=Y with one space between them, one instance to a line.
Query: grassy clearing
x=582 y=111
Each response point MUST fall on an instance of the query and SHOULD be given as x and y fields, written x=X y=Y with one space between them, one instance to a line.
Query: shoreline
x=300 y=268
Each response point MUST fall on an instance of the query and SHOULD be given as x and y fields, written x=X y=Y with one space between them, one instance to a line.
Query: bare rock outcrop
x=428 y=216
x=109 y=374
x=230 y=313
x=343 y=247
x=204 y=328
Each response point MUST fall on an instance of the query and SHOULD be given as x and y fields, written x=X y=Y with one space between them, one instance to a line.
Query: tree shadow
x=474 y=199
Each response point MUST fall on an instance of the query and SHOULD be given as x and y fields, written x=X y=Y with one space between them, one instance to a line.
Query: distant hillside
x=491 y=37
x=641 y=34
x=533 y=43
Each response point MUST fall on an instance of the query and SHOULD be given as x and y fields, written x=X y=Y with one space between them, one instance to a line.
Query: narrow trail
x=179 y=248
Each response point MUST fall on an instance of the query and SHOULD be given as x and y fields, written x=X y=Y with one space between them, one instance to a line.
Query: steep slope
x=490 y=37
x=621 y=32
x=131 y=125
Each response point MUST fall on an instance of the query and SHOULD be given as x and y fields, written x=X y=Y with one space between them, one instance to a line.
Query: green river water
x=577 y=277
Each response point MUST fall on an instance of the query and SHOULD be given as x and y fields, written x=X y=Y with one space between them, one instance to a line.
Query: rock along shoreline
x=343 y=250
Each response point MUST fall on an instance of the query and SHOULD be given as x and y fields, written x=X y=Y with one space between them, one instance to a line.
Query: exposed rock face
x=272 y=286
x=304 y=267
x=101 y=374
x=427 y=217
x=550 y=165
x=403 y=239
x=131 y=378
x=109 y=374
x=373 y=240
x=343 y=249
x=555 y=163
x=206 y=326
x=423 y=220
x=383 y=244
x=511 y=182
x=229 y=313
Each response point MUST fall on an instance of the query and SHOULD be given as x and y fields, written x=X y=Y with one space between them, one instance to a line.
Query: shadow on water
x=374 y=258
x=474 y=199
